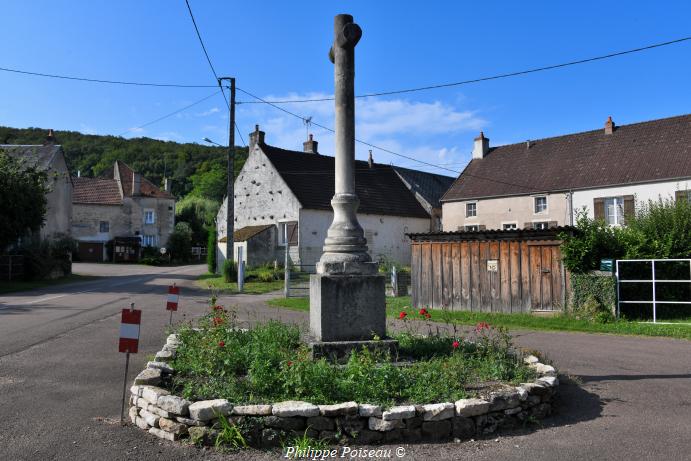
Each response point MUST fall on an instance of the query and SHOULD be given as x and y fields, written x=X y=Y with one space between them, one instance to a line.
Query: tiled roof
x=430 y=186
x=147 y=188
x=34 y=155
x=247 y=232
x=96 y=191
x=641 y=152
x=311 y=178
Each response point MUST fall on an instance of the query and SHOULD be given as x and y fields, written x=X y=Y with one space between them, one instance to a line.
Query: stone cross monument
x=347 y=303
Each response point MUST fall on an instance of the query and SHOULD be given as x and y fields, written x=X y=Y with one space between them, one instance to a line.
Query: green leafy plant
x=230 y=271
x=593 y=241
x=211 y=251
x=229 y=435
x=303 y=444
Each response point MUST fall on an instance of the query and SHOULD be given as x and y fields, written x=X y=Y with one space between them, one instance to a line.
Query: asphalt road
x=61 y=380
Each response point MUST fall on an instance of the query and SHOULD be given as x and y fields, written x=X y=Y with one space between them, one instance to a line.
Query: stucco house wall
x=493 y=213
x=59 y=207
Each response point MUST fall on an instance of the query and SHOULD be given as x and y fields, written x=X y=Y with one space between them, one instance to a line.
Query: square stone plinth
x=347 y=307
x=339 y=351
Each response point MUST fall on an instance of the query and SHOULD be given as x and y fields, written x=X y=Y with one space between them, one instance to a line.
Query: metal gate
x=657 y=282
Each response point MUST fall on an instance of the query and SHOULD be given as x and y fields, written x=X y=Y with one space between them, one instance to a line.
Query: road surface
x=61 y=380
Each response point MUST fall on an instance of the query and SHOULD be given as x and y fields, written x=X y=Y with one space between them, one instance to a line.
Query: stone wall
x=155 y=409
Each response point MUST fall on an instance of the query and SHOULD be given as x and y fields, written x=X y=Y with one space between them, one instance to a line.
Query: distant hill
x=186 y=164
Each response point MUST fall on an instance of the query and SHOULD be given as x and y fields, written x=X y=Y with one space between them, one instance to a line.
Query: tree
x=23 y=199
x=180 y=242
x=199 y=213
x=210 y=184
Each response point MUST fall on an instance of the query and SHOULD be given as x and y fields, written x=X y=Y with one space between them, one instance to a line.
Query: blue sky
x=278 y=49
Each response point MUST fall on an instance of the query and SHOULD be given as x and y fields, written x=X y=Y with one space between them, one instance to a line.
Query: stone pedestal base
x=339 y=351
x=347 y=307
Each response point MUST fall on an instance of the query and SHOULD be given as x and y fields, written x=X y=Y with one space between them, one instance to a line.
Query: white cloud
x=206 y=113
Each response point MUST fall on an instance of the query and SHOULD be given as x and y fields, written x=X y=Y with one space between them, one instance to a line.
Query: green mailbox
x=606 y=265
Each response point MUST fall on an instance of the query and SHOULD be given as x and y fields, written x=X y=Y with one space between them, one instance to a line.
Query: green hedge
x=593 y=296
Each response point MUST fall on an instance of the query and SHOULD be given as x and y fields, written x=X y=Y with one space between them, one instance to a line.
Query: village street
x=61 y=380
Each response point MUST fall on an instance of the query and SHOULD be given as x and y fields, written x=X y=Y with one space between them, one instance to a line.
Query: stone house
x=120 y=205
x=544 y=183
x=291 y=192
x=49 y=157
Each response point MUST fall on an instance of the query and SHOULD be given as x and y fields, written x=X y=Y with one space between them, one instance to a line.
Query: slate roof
x=247 y=232
x=34 y=155
x=430 y=186
x=96 y=191
x=638 y=153
x=311 y=178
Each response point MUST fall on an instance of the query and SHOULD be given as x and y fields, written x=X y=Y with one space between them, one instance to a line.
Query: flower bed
x=220 y=384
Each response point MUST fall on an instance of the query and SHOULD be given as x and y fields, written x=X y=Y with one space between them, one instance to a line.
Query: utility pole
x=230 y=211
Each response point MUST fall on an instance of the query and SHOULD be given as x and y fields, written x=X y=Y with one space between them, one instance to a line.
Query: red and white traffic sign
x=129 y=330
x=173 y=297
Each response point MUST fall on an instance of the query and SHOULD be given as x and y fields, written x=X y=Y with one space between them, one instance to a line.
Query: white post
x=654 y=298
x=241 y=270
x=394 y=281
x=286 y=266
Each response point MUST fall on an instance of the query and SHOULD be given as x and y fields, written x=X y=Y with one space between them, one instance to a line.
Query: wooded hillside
x=194 y=168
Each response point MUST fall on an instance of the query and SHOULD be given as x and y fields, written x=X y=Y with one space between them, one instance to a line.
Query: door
x=91 y=252
x=546 y=276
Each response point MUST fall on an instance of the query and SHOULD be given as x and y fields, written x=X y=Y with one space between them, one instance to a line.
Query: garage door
x=91 y=252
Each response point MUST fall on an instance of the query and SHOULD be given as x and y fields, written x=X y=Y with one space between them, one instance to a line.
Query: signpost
x=172 y=300
x=129 y=344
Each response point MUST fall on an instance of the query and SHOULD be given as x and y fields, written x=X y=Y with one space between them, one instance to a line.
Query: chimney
x=167 y=184
x=50 y=139
x=481 y=146
x=370 y=160
x=136 y=183
x=310 y=146
x=609 y=126
x=256 y=137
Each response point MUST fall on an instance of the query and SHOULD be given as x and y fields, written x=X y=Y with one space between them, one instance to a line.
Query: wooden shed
x=489 y=270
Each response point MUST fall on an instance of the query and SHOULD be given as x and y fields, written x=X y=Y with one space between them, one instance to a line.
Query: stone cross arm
x=348 y=36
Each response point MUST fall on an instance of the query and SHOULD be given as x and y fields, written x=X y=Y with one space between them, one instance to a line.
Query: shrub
x=211 y=251
x=42 y=257
x=230 y=271
x=180 y=242
x=593 y=241
x=593 y=297
x=660 y=230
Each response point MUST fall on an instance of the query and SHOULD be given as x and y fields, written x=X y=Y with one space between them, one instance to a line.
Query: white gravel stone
x=471 y=407
x=400 y=412
x=152 y=393
x=133 y=414
x=252 y=410
x=550 y=381
x=339 y=409
x=174 y=404
x=531 y=359
x=164 y=356
x=209 y=409
x=141 y=423
x=169 y=425
x=157 y=411
x=543 y=369
x=367 y=410
x=437 y=411
x=150 y=418
x=163 y=434
x=522 y=393
x=378 y=424
x=294 y=408
x=163 y=366
x=149 y=377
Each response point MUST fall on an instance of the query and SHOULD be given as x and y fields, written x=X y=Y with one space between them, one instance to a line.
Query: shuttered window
x=289 y=230
x=614 y=210
x=682 y=195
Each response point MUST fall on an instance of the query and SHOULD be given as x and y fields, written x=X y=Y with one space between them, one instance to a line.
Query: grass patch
x=254 y=288
x=21 y=285
x=518 y=321
x=270 y=363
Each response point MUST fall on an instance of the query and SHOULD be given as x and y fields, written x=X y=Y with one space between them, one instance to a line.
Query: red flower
x=423 y=312
x=290 y=363
x=218 y=308
x=402 y=315
x=218 y=321
x=428 y=315
x=221 y=344
x=482 y=326
x=455 y=344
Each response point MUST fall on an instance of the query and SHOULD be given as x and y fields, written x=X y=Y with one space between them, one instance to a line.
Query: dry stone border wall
x=170 y=417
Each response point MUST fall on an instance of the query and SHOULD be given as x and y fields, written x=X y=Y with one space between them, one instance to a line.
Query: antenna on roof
x=308 y=123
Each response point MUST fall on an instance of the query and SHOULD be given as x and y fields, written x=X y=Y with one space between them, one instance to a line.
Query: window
x=289 y=229
x=470 y=210
x=149 y=240
x=149 y=217
x=541 y=225
x=509 y=226
x=614 y=211
x=472 y=228
x=683 y=195
x=540 y=205
x=104 y=226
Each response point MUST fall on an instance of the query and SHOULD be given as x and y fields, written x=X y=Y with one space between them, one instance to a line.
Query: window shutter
x=292 y=233
x=552 y=224
x=629 y=207
x=599 y=208
x=681 y=195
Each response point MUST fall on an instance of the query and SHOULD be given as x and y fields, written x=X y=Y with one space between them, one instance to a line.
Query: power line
x=170 y=114
x=94 y=80
x=484 y=79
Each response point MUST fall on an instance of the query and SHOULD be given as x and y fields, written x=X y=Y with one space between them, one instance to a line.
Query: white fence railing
x=653 y=280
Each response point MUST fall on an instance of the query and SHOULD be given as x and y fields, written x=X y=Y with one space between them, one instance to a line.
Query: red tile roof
x=96 y=191
x=641 y=152
x=147 y=189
